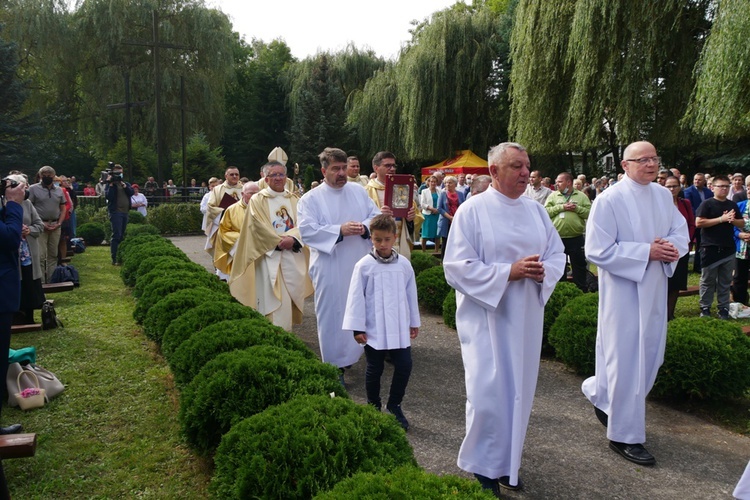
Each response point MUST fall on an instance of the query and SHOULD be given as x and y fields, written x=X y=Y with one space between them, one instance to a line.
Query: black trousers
x=574 y=251
x=401 y=359
x=739 y=282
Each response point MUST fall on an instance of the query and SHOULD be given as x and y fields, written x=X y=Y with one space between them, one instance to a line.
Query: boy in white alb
x=382 y=311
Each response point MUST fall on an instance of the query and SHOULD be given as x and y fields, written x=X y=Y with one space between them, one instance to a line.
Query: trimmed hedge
x=176 y=281
x=432 y=289
x=238 y=384
x=199 y=318
x=705 y=359
x=574 y=333
x=132 y=259
x=135 y=217
x=235 y=334
x=137 y=229
x=406 y=482
x=564 y=292
x=422 y=260
x=163 y=267
x=176 y=218
x=449 y=309
x=306 y=446
x=171 y=306
x=127 y=244
x=91 y=232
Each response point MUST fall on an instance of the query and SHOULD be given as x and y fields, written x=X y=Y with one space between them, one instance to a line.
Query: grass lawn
x=113 y=433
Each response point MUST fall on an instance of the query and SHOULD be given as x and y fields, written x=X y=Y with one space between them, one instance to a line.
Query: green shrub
x=92 y=214
x=432 y=289
x=178 y=280
x=164 y=268
x=127 y=244
x=84 y=214
x=306 y=446
x=238 y=384
x=449 y=309
x=92 y=233
x=132 y=259
x=705 y=358
x=225 y=336
x=137 y=229
x=406 y=482
x=199 y=318
x=574 y=333
x=176 y=218
x=171 y=306
x=564 y=292
x=422 y=260
x=135 y=217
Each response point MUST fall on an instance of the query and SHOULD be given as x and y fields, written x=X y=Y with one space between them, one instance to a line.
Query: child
x=715 y=218
x=382 y=311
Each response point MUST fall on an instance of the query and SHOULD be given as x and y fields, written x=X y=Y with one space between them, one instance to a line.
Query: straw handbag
x=33 y=397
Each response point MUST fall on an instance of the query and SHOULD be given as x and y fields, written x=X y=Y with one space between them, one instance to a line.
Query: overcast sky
x=309 y=25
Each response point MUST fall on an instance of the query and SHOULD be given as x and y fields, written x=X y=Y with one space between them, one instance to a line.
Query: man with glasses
x=716 y=218
x=697 y=194
x=384 y=163
x=635 y=236
x=222 y=197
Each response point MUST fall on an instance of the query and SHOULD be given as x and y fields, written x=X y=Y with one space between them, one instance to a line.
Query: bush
x=135 y=217
x=564 y=292
x=422 y=260
x=406 y=482
x=239 y=384
x=137 y=229
x=178 y=280
x=137 y=240
x=133 y=258
x=171 y=306
x=199 y=318
x=705 y=358
x=92 y=233
x=574 y=333
x=432 y=289
x=449 y=309
x=306 y=446
x=234 y=334
x=176 y=218
x=163 y=267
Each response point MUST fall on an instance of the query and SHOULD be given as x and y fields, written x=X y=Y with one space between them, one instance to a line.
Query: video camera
x=6 y=183
x=109 y=176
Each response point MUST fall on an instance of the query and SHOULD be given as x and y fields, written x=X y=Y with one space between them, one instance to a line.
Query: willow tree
x=720 y=104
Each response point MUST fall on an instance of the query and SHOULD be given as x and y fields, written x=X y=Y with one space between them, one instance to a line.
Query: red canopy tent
x=465 y=162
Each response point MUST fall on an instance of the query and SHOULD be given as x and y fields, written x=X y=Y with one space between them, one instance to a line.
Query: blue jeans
x=401 y=372
x=119 y=221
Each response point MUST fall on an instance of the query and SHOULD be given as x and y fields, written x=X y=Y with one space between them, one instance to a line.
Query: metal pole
x=127 y=125
x=157 y=96
x=182 y=126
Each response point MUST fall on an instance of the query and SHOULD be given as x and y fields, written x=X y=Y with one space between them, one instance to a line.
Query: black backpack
x=61 y=274
x=49 y=317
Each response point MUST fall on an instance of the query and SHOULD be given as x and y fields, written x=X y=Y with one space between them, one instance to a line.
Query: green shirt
x=569 y=223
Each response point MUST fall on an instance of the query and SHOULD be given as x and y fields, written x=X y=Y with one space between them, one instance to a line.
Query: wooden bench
x=58 y=287
x=66 y=260
x=33 y=327
x=17 y=446
x=692 y=290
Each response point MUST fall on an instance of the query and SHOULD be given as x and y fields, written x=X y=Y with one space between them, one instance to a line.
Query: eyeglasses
x=388 y=165
x=646 y=161
x=276 y=176
x=672 y=187
x=721 y=186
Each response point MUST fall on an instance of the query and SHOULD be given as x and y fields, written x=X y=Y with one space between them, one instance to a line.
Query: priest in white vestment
x=635 y=235
x=229 y=230
x=231 y=187
x=270 y=270
x=333 y=221
x=504 y=258
x=384 y=163
x=352 y=172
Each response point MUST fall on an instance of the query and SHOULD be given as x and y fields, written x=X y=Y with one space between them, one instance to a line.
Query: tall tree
x=720 y=104
x=15 y=128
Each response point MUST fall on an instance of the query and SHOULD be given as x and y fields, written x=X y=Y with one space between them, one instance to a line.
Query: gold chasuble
x=275 y=282
x=227 y=236
x=404 y=244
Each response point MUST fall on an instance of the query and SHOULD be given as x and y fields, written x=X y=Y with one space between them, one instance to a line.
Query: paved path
x=566 y=453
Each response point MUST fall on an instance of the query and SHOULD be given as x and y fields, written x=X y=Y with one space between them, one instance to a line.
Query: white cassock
x=321 y=211
x=499 y=322
x=632 y=328
x=387 y=294
x=742 y=490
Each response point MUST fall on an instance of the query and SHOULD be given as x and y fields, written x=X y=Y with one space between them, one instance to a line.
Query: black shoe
x=395 y=410
x=11 y=429
x=488 y=484
x=636 y=453
x=705 y=312
x=505 y=483
x=603 y=417
x=723 y=313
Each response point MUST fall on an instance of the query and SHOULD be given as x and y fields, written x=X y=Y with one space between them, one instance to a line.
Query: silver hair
x=496 y=152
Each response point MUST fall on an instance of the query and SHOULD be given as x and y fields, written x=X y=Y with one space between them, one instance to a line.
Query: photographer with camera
x=118 y=205
x=50 y=203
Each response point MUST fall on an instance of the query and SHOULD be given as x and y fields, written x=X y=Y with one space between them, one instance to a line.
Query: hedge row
x=167 y=218
x=237 y=372
x=704 y=358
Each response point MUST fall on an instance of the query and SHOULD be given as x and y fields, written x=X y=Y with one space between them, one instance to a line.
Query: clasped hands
x=527 y=267
x=352 y=228
x=664 y=251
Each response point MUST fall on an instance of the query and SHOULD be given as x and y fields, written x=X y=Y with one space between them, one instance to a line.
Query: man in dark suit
x=11 y=221
x=697 y=194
